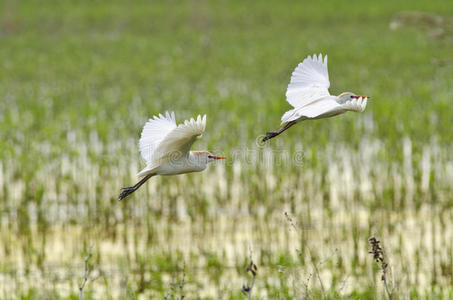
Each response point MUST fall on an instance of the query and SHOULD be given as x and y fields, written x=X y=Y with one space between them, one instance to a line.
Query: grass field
x=79 y=79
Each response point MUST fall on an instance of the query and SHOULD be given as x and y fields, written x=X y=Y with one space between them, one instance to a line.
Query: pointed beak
x=216 y=157
x=368 y=97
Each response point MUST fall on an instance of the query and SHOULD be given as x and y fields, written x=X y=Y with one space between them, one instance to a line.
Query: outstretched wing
x=153 y=133
x=178 y=141
x=309 y=82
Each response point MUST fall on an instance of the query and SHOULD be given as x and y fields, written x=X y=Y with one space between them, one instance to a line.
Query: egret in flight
x=308 y=93
x=165 y=147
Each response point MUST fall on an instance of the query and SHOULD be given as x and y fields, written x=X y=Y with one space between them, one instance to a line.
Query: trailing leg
x=126 y=191
x=272 y=134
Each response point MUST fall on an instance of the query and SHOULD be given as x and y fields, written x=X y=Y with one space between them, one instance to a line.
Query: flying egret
x=165 y=147
x=309 y=95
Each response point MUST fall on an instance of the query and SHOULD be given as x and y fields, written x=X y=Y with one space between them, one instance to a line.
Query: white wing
x=154 y=132
x=178 y=141
x=321 y=108
x=309 y=82
x=324 y=107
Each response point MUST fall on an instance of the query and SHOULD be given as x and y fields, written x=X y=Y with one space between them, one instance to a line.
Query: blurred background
x=79 y=79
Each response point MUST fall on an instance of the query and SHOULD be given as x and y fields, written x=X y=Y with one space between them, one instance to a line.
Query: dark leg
x=272 y=134
x=130 y=189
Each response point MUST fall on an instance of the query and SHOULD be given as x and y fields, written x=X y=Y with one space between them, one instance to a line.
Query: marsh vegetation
x=79 y=81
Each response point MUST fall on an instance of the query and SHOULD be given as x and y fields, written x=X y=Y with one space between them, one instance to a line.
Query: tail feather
x=126 y=191
x=288 y=116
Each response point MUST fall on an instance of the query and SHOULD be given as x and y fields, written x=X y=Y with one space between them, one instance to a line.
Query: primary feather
x=172 y=142
x=309 y=82
x=180 y=140
x=154 y=132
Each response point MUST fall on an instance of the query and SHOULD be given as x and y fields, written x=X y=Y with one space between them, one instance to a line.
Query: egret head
x=348 y=96
x=205 y=157
x=352 y=102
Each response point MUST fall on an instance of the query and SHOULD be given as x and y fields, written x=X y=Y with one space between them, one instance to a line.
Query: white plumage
x=309 y=81
x=154 y=132
x=162 y=140
x=308 y=93
x=165 y=147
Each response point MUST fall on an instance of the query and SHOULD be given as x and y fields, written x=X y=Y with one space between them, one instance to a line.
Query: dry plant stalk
x=179 y=285
x=315 y=266
x=379 y=257
x=247 y=289
x=86 y=273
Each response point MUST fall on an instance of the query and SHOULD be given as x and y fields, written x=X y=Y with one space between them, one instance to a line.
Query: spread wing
x=154 y=132
x=309 y=82
x=178 y=141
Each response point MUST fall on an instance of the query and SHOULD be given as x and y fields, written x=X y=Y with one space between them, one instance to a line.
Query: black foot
x=126 y=192
x=270 y=135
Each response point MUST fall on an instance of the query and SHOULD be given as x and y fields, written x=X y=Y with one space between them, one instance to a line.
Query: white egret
x=308 y=93
x=165 y=147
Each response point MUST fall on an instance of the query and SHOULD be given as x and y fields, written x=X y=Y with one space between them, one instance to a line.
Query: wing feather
x=309 y=81
x=154 y=132
x=320 y=108
x=178 y=141
x=317 y=109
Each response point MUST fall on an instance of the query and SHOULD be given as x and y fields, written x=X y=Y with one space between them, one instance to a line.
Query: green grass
x=79 y=80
